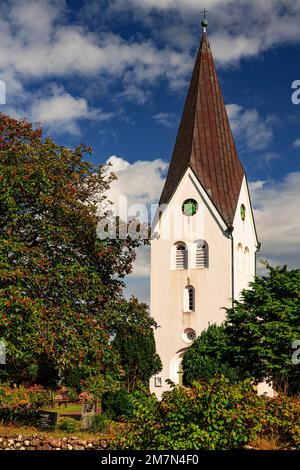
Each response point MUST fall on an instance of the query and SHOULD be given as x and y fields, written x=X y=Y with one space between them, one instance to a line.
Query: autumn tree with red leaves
x=60 y=286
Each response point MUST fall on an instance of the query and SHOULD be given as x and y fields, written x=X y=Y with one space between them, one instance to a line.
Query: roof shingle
x=205 y=141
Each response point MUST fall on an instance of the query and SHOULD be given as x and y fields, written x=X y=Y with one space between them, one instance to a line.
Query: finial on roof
x=204 y=22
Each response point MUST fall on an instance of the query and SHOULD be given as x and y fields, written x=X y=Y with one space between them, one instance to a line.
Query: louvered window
x=181 y=256
x=201 y=255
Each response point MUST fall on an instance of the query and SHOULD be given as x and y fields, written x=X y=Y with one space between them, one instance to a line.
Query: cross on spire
x=204 y=22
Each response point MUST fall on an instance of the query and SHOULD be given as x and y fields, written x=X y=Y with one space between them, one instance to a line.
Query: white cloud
x=61 y=112
x=37 y=42
x=42 y=46
x=168 y=120
x=297 y=143
x=139 y=287
x=140 y=182
x=254 y=132
x=228 y=49
x=277 y=214
x=142 y=262
x=134 y=93
x=239 y=28
x=163 y=4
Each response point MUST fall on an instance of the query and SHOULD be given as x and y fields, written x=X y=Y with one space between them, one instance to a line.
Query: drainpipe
x=258 y=247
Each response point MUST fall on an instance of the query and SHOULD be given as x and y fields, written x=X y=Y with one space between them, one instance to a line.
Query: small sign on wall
x=158 y=381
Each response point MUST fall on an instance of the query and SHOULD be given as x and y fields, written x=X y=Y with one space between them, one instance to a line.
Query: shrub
x=136 y=348
x=99 y=423
x=73 y=395
x=39 y=397
x=119 y=405
x=208 y=357
x=68 y=425
x=262 y=327
x=210 y=415
x=281 y=417
x=20 y=404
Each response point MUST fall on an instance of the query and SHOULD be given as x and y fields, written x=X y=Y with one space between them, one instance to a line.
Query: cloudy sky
x=114 y=74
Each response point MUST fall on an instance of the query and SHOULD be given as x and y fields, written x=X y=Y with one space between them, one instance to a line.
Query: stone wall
x=39 y=442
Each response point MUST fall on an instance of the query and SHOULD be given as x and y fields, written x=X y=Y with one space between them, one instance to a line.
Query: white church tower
x=204 y=250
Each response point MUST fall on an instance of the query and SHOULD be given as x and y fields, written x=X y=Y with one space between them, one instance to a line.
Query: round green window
x=189 y=207
x=243 y=212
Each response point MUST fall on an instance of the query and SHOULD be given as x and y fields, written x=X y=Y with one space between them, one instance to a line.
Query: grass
x=271 y=442
x=71 y=408
x=13 y=430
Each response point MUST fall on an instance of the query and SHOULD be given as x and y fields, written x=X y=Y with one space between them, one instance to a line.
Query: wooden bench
x=62 y=398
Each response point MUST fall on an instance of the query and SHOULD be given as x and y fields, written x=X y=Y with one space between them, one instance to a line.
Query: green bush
x=99 y=423
x=210 y=415
x=73 y=395
x=262 y=327
x=136 y=348
x=68 y=425
x=208 y=357
x=119 y=405
x=281 y=417
x=20 y=404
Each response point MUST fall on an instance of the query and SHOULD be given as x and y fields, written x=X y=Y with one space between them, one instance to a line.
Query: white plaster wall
x=265 y=389
x=213 y=288
x=244 y=234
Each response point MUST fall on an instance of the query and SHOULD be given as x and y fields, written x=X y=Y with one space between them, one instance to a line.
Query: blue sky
x=114 y=74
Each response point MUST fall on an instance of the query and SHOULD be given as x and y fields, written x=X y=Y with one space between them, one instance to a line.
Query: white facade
x=245 y=243
x=190 y=289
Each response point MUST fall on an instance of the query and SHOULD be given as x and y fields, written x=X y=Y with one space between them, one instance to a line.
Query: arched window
x=240 y=258
x=180 y=254
x=189 y=299
x=200 y=254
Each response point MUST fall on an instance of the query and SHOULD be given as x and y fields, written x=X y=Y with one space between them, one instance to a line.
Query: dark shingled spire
x=205 y=142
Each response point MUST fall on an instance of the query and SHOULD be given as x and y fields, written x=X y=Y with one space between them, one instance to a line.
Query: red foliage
x=14 y=132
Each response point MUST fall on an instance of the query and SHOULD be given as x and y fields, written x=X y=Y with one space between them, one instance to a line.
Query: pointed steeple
x=205 y=142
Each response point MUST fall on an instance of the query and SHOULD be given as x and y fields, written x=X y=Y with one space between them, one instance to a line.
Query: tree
x=60 y=286
x=263 y=326
x=208 y=356
x=136 y=346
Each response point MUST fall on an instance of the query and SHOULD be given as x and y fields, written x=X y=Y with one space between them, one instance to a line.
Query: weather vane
x=204 y=22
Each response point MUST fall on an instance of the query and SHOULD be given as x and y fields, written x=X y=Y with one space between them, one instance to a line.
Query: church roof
x=205 y=142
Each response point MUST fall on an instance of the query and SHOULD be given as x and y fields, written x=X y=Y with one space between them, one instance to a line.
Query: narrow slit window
x=189 y=299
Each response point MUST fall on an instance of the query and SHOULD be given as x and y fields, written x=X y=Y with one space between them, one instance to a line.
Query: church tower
x=204 y=248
